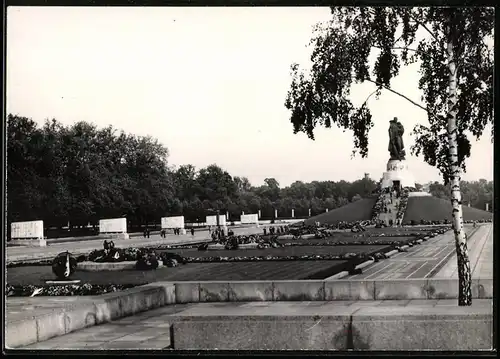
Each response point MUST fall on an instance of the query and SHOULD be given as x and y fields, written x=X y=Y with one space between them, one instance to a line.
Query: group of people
x=357 y=228
x=109 y=253
x=275 y=230
x=387 y=197
x=394 y=192
x=163 y=232
x=403 y=203
x=218 y=234
x=232 y=242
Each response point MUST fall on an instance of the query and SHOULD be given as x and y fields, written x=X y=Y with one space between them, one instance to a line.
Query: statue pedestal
x=397 y=171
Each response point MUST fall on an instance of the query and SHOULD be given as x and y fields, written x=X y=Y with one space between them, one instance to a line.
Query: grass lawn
x=356 y=211
x=432 y=208
x=259 y=270
x=288 y=270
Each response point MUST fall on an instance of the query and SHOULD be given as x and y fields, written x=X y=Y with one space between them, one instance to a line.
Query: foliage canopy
x=398 y=36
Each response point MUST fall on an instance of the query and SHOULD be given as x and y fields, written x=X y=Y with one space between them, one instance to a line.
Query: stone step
x=333 y=326
x=32 y=320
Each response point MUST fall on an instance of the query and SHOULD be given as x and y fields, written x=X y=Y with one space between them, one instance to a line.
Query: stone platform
x=41 y=318
x=340 y=325
x=110 y=267
x=32 y=320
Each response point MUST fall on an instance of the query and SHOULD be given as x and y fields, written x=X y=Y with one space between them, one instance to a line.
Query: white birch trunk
x=463 y=263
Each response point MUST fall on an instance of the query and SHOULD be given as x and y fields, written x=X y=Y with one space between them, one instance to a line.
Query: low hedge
x=64 y=290
x=312 y=257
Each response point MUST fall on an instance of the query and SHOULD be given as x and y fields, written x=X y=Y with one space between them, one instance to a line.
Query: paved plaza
x=151 y=329
x=480 y=255
x=425 y=260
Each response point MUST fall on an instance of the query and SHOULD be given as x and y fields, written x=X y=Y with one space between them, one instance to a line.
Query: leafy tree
x=456 y=66
x=363 y=188
x=299 y=189
x=23 y=141
x=356 y=197
x=242 y=184
x=439 y=190
x=271 y=189
x=186 y=183
x=215 y=183
x=316 y=206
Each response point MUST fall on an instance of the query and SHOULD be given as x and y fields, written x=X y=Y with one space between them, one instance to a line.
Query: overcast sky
x=209 y=83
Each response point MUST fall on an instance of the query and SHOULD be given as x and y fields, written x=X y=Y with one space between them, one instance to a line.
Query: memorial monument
x=397 y=169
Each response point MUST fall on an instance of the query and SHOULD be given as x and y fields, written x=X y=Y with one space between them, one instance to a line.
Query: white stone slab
x=172 y=222
x=212 y=220
x=27 y=230
x=114 y=225
x=250 y=219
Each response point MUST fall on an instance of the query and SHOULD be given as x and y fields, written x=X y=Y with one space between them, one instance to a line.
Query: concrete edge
x=339 y=275
x=106 y=267
x=103 y=309
x=364 y=264
x=329 y=289
x=391 y=253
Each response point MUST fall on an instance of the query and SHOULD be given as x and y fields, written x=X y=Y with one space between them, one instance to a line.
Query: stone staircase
x=392 y=210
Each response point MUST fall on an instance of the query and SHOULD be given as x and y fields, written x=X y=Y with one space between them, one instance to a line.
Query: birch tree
x=456 y=79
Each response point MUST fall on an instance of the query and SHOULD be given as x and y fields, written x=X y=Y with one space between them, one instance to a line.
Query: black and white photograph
x=249 y=178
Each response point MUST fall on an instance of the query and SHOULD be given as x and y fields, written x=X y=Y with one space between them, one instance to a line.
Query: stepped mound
x=437 y=209
x=360 y=210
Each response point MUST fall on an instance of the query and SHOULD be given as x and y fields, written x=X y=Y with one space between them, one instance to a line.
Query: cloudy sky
x=209 y=83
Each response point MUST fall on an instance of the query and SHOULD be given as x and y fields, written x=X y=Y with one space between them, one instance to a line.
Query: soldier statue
x=396 y=146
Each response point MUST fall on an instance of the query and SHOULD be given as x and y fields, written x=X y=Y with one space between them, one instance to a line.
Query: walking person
x=192 y=231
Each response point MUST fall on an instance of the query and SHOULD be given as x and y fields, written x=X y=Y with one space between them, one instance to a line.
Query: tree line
x=474 y=193
x=80 y=174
